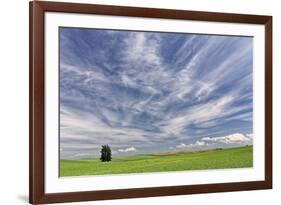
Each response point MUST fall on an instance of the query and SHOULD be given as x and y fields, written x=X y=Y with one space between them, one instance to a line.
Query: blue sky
x=146 y=92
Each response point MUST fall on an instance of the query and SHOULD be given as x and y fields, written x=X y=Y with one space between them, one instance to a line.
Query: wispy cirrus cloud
x=151 y=91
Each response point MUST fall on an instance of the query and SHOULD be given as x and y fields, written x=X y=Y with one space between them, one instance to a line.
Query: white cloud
x=236 y=138
x=223 y=71
x=142 y=48
x=182 y=145
x=250 y=136
x=198 y=114
x=215 y=142
x=89 y=74
x=197 y=144
x=92 y=128
x=129 y=149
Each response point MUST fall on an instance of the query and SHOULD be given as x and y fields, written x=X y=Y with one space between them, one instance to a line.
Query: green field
x=212 y=159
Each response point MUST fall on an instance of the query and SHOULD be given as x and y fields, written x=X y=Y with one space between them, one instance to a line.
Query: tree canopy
x=106 y=155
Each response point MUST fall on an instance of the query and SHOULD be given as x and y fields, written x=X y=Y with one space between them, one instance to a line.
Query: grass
x=212 y=159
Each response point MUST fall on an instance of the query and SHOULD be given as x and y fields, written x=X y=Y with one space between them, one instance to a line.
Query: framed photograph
x=132 y=102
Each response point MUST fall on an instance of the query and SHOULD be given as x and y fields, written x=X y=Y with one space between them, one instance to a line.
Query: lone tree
x=105 y=153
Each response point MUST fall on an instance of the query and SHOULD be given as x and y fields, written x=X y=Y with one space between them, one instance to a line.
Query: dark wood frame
x=37 y=194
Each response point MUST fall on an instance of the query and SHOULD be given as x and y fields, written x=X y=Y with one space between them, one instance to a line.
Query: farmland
x=239 y=157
